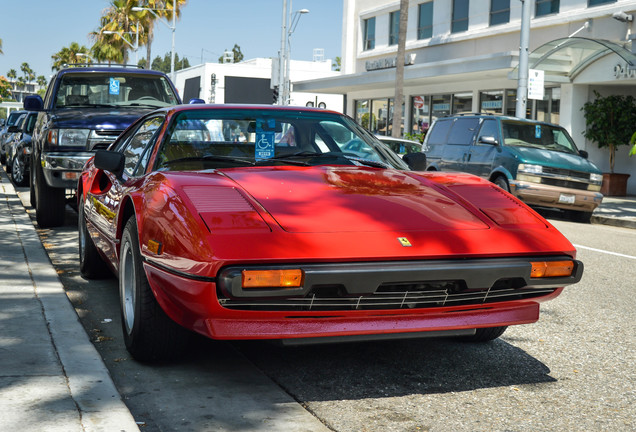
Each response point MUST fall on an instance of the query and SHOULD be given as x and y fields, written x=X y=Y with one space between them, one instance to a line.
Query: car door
x=484 y=149
x=103 y=202
x=457 y=148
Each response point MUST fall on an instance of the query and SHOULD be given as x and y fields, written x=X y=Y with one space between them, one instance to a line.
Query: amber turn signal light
x=543 y=269
x=290 y=278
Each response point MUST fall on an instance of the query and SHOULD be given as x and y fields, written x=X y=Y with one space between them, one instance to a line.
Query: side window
x=489 y=129
x=138 y=142
x=463 y=131
x=439 y=132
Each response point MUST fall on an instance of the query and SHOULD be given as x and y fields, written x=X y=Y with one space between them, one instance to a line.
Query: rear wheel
x=149 y=334
x=485 y=334
x=502 y=182
x=90 y=262
x=18 y=171
x=50 y=202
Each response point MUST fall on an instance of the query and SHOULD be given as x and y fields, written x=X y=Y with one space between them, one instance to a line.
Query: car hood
x=353 y=199
x=554 y=159
x=97 y=118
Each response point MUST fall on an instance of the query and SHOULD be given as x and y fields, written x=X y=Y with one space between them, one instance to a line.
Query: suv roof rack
x=78 y=65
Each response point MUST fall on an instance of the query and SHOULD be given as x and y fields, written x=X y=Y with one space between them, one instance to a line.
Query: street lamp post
x=171 y=27
x=135 y=47
x=289 y=25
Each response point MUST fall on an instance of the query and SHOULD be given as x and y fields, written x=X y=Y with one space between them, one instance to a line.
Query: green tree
x=5 y=89
x=337 y=64
x=609 y=122
x=236 y=54
x=41 y=79
x=74 y=53
x=163 y=64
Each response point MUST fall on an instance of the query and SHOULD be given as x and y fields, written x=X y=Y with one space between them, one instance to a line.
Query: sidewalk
x=616 y=211
x=51 y=376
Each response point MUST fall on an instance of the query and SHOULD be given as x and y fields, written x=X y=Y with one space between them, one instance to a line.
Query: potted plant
x=609 y=122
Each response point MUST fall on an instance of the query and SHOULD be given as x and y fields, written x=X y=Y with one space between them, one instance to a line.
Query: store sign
x=536 y=88
x=624 y=71
x=496 y=104
x=388 y=62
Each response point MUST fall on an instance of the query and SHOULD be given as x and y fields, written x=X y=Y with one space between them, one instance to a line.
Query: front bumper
x=541 y=195
x=61 y=170
x=353 y=299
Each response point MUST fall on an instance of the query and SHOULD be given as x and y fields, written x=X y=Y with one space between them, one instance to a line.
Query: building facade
x=462 y=56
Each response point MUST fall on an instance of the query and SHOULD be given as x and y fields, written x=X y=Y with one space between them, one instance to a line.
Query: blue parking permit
x=264 y=145
x=113 y=87
x=537 y=131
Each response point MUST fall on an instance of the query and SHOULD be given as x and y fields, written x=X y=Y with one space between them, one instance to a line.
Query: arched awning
x=563 y=59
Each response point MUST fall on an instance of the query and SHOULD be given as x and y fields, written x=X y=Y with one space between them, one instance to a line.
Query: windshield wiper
x=211 y=158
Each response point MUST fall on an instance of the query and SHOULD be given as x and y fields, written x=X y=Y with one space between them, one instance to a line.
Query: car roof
x=500 y=117
x=196 y=107
x=106 y=69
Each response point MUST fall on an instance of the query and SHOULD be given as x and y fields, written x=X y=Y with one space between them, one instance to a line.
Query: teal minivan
x=535 y=161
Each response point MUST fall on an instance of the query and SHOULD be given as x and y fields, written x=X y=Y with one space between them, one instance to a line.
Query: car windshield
x=201 y=139
x=117 y=89
x=543 y=136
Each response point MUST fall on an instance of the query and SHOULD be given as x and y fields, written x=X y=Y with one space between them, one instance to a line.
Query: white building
x=250 y=81
x=462 y=54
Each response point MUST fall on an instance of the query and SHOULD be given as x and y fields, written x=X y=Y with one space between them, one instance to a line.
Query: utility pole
x=282 y=56
x=522 y=82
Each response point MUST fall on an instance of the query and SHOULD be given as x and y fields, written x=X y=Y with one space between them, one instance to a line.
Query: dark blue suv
x=85 y=109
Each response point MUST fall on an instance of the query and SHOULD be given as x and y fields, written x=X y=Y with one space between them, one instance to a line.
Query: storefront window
x=380 y=112
x=420 y=114
x=462 y=103
x=548 y=109
x=510 y=104
x=491 y=101
x=363 y=116
x=441 y=106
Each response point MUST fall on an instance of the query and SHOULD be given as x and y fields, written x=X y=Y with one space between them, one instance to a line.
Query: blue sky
x=33 y=30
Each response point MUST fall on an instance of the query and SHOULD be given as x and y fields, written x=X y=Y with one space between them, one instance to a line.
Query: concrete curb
x=99 y=403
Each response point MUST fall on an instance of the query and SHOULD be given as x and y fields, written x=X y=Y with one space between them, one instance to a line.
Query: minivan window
x=437 y=135
x=489 y=129
x=538 y=136
x=463 y=131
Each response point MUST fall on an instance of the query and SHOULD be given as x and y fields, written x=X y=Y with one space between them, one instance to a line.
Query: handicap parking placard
x=113 y=87
x=264 y=147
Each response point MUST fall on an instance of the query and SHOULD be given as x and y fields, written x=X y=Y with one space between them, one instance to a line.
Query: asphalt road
x=574 y=370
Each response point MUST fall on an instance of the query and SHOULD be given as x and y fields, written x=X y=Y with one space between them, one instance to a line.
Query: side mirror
x=583 y=154
x=415 y=161
x=109 y=161
x=196 y=101
x=488 y=140
x=33 y=103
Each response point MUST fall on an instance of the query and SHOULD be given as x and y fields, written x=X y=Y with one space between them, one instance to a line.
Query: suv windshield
x=543 y=136
x=269 y=137
x=119 y=89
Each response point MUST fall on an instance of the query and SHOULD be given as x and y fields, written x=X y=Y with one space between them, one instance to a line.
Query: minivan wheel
x=502 y=182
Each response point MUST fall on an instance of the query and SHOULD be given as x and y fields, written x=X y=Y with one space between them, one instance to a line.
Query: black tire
x=50 y=202
x=149 y=334
x=32 y=183
x=3 y=159
x=91 y=264
x=502 y=182
x=485 y=334
x=18 y=171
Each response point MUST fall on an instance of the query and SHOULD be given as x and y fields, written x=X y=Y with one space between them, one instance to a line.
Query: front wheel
x=502 y=182
x=485 y=334
x=90 y=262
x=149 y=334
x=50 y=202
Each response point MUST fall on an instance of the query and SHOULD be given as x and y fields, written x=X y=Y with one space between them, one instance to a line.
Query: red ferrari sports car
x=296 y=224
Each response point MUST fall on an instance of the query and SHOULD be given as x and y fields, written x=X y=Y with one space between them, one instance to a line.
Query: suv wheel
x=50 y=202
x=502 y=183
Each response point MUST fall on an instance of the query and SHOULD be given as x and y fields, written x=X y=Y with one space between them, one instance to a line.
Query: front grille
x=569 y=184
x=583 y=176
x=102 y=138
x=392 y=297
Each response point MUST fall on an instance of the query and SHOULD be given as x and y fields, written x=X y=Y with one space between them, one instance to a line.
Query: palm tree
x=74 y=53
x=399 y=70
x=1 y=47
x=12 y=74
x=162 y=9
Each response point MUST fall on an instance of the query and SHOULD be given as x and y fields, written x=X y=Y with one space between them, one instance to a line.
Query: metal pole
x=287 y=85
x=522 y=83
x=174 y=26
x=137 y=44
x=282 y=55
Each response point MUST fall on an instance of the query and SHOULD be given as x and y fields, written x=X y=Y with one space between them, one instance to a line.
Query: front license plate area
x=567 y=198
